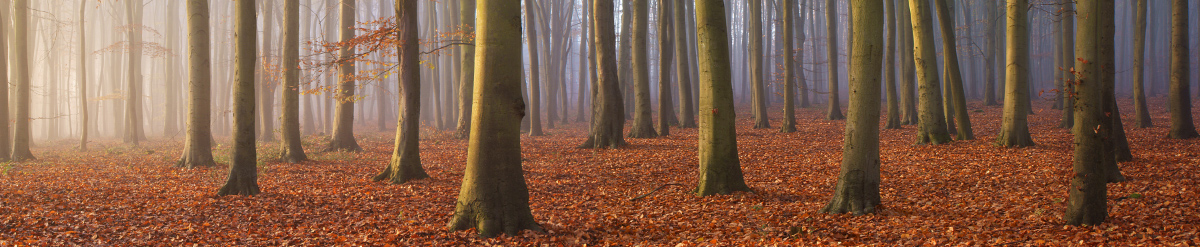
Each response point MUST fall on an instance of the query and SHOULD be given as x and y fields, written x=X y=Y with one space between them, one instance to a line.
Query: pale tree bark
x=1068 y=60
x=1087 y=202
x=81 y=72
x=6 y=147
x=171 y=109
x=21 y=138
x=889 y=67
x=343 y=123
x=643 y=121
x=761 y=121
x=134 y=132
x=493 y=198
x=586 y=71
x=931 y=127
x=683 y=65
x=857 y=189
x=293 y=149
x=535 y=91
x=466 y=83
x=665 y=52
x=405 y=164
x=608 y=109
x=789 y=70
x=1140 y=111
x=720 y=169
x=1014 y=129
x=197 y=150
x=835 y=109
x=1179 y=96
x=802 y=87
x=243 y=173
x=953 y=76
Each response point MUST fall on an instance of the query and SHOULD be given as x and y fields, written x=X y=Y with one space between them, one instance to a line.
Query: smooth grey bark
x=21 y=137
x=1086 y=200
x=683 y=67
x=908 y=85
x=789 y=71
x=405 y=164
x=535 y=92
x=197 y=150
x=293 y=150
x=134 y=131
x=643 y=121
x=1014 y=129
x=835 y=109
x=889 y=68
x=1068 y=60
x=343 y=122
x=608 y=111
x=720 y=169
x=6 y=141
x=493 y=198
x=243 y=173
x=81 y=74
x=754 y=7
x=932 y=123
x=857 y=189
x=1140 y=111
x=466 y=83
x=1179 y=97
x=954 y=83
x=665 y=52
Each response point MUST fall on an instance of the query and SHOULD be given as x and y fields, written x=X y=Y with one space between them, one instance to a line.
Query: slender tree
x=908 y=68
x=467 y=71
x=1087 y=202
x=857 y=188
x=1014 y=129
x=789 y=71
x=81 y=72
x=683 y=66
x=343 y=122
x=493 y=198
x=835 y=108
x=608 y=109
x=720 y=169
x=1068 y=59
x=1140 y=112
x=665 y=52
x=197 y=149
x=535 y=92
x=6 y=147
x=1179 y=97
x=643 y=121
x=953 y=76
x=293 y=150
x=134 y=132
x=931 y=127
x=889 y=67
x=21 y=139
x=243 y=173
x=405 y=164
x=754 y=31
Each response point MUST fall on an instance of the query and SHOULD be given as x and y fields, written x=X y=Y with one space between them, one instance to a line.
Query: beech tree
x=466 y=80
x=134 y=133
x=243 y=172
x=720 y=169
x=857 y=189
x=81 y=72
x=1014 y=129
x=405 y=164
x=293 y=150
x=1087 y=199
x=608 y=109
x=931 y=127
x=789 y=71
x=835 y=108
x=1067 y=41
x=756 y=64
x=683 y=65
x=493 y=198
x=1141 y=113
x=535 y=91
x=197 y=149
x=643 y=121
x=951 y=73
x=666 y=114
x=22 y=136
x=1179 y=97
x=889 y=67
x=343 y=122
x=6 y=141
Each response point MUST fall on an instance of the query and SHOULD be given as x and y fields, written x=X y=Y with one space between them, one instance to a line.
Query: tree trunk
x=789 y=71
x=889 y=68
x=608 y=112
x=493 y=198
x=172 y=81
x=343 y=123
x=1179 y=95
x=643 y=122
x=835 y=109
x=6 y=147
x=665 y=53
x=405 y=164
x=720 y=170
x=467 y=71
x=81 y=81
x=683 y=65
x=954 y=82
x=197 y=150
x=21 y=138
x=293 y=150
x=1014 y=130
x=243 y=173
x=857 y=188
x=1140 y=111
x=932 y=124
x=758 y=93
x=535 y=91
x=908 y=70
x=1087 y=202
x=993 y=45
x=134 y=132
x=802 y=87
x=1068 y=59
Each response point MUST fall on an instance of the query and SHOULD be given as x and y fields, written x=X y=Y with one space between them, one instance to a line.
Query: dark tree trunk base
x=490 y=222
x=293 y=157
x=854 y=195
x=343 y=145
x=191 y=160
x=787 y=128
x=642 y=131
x=462 y=132
x=22 y=155
x=240 y=183
x=399 y=173
x=933 y=138
x=603 y=142
x=762 y=124
x=1016 y=139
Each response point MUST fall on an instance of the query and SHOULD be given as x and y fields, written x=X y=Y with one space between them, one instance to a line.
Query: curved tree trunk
x=857 y=188
x=1014 y=129
x=493 y=198
x=1140 y=111
x=466 y=83
x=21 y=137
x=197 y=150
x=608 y=114
x=1087 y=202
x=889 y=68
x=665 y=52
x=932 y=123
x=835 y=108
x=683 y=66
x=343 y=121
x=1179 y=95
x=951 y=71
x=243 y=173
x=643 y=121
x=789 y=71
x=405 y=164
x=754 y=30
x=293 y=151
x=720 y=170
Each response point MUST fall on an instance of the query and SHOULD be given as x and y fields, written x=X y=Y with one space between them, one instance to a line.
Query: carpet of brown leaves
x=968 y=192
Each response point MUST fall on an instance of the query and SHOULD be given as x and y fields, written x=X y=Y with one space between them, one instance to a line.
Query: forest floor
x=965 y=192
